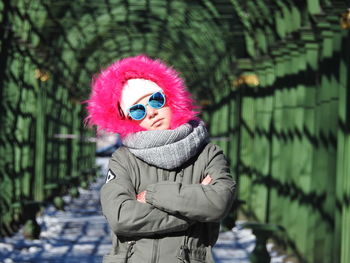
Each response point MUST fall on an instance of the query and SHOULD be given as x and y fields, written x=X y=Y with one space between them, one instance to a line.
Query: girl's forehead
x=143 y=99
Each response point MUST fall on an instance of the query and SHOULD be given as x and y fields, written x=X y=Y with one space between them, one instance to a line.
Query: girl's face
x=155 y=119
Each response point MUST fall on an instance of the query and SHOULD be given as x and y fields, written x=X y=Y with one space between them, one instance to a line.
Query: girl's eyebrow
x=138 y=101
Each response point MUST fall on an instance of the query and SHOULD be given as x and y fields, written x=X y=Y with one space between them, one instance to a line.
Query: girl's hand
x=207 y=180
x=141 y=197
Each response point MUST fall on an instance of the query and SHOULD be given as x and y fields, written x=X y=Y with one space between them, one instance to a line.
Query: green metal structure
x=289 y=139
x=272 y=78
x=39 y=114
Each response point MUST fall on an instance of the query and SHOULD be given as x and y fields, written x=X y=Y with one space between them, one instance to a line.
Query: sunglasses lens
x=137 y=112
x=157 y=100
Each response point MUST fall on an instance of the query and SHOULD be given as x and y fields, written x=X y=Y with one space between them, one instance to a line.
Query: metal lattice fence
x=40 y=159
x=288 y=140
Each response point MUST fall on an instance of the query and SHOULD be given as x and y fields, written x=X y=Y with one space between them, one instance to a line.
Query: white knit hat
x=134 y=89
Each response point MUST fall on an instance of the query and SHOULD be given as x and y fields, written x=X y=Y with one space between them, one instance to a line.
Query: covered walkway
x=272 y=78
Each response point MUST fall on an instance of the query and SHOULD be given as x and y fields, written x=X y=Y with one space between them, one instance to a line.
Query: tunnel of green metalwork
x=271 y=79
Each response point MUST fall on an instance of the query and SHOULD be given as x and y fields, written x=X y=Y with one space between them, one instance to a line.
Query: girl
x=167 y=187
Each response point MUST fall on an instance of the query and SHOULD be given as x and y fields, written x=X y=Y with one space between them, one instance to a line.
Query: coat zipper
x=184 y=249
x=155 y=251
x=184 y=254
x=130 y=245
x=181 y=174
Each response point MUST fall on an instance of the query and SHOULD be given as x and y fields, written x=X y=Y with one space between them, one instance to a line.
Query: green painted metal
x=342 y=224
x=37 y=108
x=289 y=146
x=294 y=126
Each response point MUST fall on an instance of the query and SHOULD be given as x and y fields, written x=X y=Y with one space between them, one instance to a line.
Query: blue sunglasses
x=139 y=111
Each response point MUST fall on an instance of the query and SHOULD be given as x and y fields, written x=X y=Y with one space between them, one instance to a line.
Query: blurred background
x=272 y=78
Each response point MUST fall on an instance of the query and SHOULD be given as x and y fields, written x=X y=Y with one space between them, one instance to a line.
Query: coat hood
x=103 y=106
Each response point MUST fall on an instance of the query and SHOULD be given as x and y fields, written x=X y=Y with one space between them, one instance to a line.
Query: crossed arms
x=167 y=207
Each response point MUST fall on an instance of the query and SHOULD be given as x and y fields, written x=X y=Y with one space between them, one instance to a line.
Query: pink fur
x=103 y=109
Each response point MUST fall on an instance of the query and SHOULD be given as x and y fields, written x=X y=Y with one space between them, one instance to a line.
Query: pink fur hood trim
x=103 y=104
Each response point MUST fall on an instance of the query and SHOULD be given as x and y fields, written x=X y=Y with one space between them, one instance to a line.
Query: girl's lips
x=156 y=122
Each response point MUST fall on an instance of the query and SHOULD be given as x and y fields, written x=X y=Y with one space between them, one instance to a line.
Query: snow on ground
x=80 y=234
x=236 y=245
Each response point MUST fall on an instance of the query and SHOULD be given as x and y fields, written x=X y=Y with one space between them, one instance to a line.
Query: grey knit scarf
x=168 y=149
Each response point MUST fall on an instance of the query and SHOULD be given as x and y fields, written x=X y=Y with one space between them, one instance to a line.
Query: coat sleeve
x=204 y=203
x=128 y=217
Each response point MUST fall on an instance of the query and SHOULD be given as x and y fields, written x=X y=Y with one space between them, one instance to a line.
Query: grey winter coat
x=179 y=222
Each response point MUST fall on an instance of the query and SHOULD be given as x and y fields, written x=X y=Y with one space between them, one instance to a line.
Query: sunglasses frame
x=145 y=106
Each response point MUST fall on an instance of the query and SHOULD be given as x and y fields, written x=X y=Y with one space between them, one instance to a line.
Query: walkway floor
x=80 y=234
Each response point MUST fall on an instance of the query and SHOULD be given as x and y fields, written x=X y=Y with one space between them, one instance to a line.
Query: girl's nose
x=151 y=112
